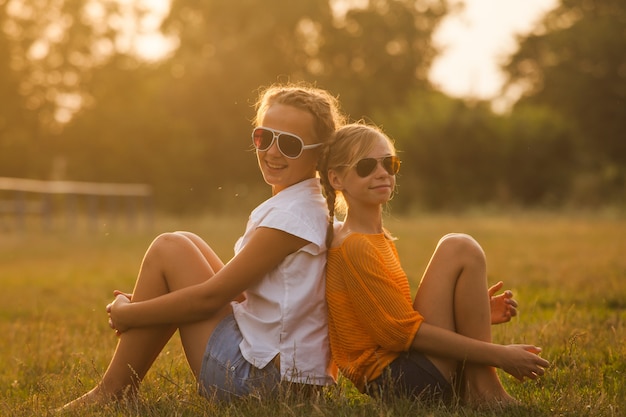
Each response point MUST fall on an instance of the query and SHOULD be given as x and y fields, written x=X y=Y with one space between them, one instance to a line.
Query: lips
x=274 y=165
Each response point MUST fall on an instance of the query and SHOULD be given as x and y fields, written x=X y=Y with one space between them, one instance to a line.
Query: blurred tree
x=375 y=56
x=127 y=134
x=575 y=63
x=55 y=44
x=450 y=152
x=226 y=51
x=14 y=118
x=183 y=124
x=540 y=156
x=52 y=47
x=458 y=154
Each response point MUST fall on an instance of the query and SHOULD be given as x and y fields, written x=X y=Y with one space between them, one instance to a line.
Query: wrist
x=499 y=355
x=124 y=313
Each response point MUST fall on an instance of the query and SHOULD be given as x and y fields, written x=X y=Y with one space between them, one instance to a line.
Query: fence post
x=20 y=210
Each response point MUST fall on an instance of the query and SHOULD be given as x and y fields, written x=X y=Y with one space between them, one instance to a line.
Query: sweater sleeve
x=379 y=291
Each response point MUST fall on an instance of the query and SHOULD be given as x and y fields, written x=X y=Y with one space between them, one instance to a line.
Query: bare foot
x=494 y=404
x=489 y=400
x=482 y=389
x=96 y=397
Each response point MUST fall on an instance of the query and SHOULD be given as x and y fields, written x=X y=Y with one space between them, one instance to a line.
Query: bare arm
x=266 y=249
x=518 y=360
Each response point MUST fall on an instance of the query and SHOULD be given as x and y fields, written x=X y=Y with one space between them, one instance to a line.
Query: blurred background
x=161 y=93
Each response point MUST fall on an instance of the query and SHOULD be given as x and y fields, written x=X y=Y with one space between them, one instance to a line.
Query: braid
x=329 y=192
x=330 y=229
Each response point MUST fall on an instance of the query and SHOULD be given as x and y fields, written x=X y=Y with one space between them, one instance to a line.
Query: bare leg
x=173 y=261
x=453 y=295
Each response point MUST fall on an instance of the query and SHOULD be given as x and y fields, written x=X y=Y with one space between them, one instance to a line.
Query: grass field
x=567 y=271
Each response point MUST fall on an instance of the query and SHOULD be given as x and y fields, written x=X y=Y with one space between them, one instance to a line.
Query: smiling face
x=372 y=190
x=279 y=171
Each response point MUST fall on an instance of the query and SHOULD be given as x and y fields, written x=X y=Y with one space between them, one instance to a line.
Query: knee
x=462 y=246
x=188 y=235
x=168 y=240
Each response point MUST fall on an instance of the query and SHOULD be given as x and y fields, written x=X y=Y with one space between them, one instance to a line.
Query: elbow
x=207 y=305
x=399 y=343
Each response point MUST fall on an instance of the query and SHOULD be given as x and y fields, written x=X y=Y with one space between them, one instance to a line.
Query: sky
x=472 y=41
x=476 y=39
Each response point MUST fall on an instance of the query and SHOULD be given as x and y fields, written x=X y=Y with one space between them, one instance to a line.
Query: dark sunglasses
x=289 y=144
x=366 y=166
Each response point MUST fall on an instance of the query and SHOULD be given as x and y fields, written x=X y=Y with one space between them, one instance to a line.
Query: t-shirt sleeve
x=379 y=301
x=303 y=225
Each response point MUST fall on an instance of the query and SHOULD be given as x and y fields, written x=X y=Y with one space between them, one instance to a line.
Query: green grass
x=568 y=273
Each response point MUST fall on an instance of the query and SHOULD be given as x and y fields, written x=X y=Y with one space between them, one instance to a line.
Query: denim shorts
x=411 y=375
x=225 y=374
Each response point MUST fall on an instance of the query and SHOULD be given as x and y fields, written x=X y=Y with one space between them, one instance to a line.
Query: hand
x=503 y=306
x=121 y=298
x=523 y=361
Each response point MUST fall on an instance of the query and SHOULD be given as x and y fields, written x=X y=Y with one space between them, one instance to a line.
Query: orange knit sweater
x=370 y=312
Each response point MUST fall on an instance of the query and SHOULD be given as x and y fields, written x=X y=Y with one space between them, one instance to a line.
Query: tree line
x=78 y=103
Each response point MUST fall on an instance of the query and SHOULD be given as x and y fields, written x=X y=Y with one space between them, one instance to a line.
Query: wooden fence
x=101 y=204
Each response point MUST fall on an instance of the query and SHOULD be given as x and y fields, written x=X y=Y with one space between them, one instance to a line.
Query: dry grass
x=567 y=272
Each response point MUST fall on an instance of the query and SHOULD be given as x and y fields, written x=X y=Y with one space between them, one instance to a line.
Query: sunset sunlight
x=473 y=41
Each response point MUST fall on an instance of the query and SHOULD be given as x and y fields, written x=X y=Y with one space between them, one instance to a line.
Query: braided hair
x=329 y=192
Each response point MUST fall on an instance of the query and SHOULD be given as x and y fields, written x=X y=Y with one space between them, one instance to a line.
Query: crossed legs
x=453 y=294
x=173 y=261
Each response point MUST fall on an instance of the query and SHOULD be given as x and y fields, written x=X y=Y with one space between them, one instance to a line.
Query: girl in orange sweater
x=380 y=338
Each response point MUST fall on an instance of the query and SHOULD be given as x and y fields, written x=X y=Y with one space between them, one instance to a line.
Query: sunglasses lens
x=365 y=167
x=391 y=164
x=262 y=139
x=289 y=145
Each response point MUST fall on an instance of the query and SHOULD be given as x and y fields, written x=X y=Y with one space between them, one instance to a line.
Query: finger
x=125 y=294
x=532 y=349
x=511 y=309
x=544 y=363
x=495 y=287
x=511 y=301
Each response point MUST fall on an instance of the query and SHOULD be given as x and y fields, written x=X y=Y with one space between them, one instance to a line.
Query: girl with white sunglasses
x=259 y=321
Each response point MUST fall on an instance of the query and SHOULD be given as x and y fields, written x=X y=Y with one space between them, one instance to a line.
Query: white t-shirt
x=286 y=311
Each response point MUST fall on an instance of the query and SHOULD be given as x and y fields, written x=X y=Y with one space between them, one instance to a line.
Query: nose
x=380 y=170
x=273 y=149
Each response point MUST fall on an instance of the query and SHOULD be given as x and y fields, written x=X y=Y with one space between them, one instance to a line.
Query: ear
x=335 y=180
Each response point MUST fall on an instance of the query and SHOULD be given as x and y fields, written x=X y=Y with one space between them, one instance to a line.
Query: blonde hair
x=323 y=106
x=349 y=144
